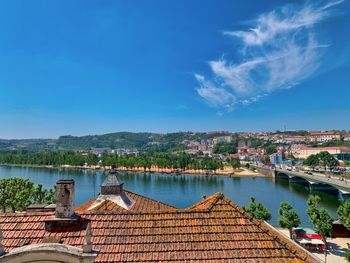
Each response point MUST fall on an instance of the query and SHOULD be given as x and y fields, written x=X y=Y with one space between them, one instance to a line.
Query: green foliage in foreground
x=17 y=194
x=319 y=217
x=344 y=213
x=289 y=218
x=347 y=255
x=257 y=210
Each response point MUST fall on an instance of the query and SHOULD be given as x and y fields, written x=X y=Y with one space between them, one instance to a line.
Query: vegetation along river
x=183 y=190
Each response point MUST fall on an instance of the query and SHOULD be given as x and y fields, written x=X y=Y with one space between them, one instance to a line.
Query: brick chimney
x=64 y=199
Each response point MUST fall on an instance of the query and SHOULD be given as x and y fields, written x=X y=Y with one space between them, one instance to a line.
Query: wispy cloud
x=280 y=50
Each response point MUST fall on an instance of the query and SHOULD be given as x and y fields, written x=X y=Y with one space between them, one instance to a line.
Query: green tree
x=323 y=157
x=344 y=213
x=328 y=159
x=235 y=163
x=320 y=218
x=50 y=197
x=312 y=161
x=41 y=195
x=289 y=218
x=225 y=147
x=347 y=255
x=257 y=210
x=270 y=149
x=17 y=194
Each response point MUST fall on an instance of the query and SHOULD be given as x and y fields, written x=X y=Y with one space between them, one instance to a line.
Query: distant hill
x=142 y=141
x=27 y=144
x=110 y=140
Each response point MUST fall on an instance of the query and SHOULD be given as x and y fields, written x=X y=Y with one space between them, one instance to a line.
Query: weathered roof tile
x=214 y=230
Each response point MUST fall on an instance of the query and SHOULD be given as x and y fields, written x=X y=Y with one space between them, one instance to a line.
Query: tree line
x=162 y=160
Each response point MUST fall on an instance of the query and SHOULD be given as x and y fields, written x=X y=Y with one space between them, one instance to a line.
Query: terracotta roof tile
x=142 y=204
x=214 y=230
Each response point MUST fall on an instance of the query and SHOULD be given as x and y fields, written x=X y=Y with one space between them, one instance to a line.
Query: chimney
x=64 y=211
x=2 y=250
x=64 y=199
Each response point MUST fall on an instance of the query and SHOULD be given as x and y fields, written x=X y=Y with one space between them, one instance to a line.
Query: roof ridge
x=149 y=198
x=212 y=200
x=270 y=231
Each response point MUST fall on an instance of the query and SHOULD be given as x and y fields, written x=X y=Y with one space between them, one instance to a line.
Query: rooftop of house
x=324 y=133
x=213 y=230
x=141 y=204
x=325 y=148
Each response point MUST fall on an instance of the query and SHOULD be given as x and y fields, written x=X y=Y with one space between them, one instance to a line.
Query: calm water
x=182 y=190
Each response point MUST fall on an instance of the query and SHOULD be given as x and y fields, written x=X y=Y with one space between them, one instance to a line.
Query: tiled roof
x=214 y=230
x=326 y=148
x=324 y=133
x=142 y=204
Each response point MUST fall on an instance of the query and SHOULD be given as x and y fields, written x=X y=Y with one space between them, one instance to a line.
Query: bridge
x=314 y=182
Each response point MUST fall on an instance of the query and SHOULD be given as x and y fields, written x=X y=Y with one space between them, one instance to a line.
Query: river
x=182 y=190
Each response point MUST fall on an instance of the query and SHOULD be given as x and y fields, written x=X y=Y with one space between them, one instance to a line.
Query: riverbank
x=227 y=171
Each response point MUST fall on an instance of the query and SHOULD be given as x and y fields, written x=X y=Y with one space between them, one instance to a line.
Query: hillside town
x=287 y=147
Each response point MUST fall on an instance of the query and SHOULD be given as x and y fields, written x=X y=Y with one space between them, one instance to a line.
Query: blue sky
x=92 y=67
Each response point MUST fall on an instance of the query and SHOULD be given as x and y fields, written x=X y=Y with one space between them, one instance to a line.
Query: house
x=338 y=151
x=346 y=137
x=277 y=159
x=325 y=136
x=294 y=139
x=121 y=226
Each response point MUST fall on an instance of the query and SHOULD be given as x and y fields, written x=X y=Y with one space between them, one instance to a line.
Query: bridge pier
x=311 y=187
x=266 y=171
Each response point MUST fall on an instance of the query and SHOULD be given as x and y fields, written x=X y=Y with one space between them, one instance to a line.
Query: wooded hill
x=141 y=141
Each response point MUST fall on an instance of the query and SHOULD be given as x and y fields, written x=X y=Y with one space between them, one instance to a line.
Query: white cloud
x=279 y=51
x=213 y=95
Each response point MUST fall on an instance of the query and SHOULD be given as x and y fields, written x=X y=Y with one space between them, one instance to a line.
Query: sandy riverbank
x=227 y=171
